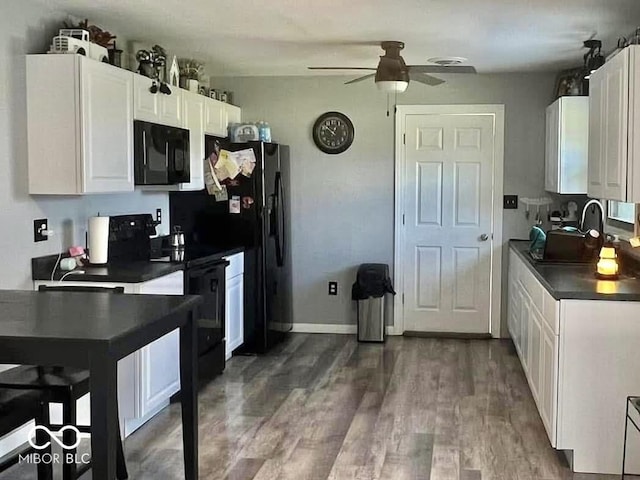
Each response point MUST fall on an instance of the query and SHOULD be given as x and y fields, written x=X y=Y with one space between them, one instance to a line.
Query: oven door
x=209 y=282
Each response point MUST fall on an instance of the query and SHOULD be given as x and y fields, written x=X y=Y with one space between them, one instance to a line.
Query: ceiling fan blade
x=442 y=69
x=426 y=79
x=341 y=68
x=360 y=79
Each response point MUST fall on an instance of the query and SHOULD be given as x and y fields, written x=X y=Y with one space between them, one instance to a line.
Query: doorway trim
x=497 y=111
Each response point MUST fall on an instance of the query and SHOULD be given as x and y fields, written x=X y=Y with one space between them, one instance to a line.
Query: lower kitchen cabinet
x=580 y=361
x=234 y=304
x=147 y=378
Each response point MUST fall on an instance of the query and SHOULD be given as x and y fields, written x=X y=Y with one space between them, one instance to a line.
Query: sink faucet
x=584 y=213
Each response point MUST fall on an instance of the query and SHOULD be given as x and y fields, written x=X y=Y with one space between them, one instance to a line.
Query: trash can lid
x=372 y=280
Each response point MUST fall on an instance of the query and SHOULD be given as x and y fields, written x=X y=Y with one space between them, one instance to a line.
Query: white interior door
x=448 y=206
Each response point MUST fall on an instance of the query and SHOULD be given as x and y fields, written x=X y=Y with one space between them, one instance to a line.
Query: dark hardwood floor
x=324 y=407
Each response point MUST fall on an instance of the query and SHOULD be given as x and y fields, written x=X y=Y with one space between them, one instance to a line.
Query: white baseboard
x=331 y=328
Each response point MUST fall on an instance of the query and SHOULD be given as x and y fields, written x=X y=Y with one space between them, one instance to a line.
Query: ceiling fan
x=393 y=74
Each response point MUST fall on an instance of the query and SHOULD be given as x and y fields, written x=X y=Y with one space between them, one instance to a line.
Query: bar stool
x=18 y=408
x=633 y=402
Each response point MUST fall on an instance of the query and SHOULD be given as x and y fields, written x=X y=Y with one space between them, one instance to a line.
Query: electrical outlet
x=510 y=202
x=159 y=215
x=333 y=288
x=39 y=226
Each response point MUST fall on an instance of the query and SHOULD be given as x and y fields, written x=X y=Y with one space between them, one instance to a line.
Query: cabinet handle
x=144 y=155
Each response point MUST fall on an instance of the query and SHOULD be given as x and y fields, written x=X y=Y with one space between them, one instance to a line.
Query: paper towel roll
x=98 y=240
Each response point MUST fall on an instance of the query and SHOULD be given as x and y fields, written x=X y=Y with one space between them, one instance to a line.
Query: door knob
x=484 y=237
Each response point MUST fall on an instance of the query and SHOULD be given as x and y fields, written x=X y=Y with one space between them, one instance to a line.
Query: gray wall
x=27 y=27
x=342 y=205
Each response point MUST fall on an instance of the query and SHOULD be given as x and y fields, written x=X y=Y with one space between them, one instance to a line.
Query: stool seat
x=31 y=377
x=17 y=408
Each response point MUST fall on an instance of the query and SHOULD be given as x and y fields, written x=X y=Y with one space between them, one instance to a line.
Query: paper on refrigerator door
x=226 y=166
x=210 y=179
x=246 y=160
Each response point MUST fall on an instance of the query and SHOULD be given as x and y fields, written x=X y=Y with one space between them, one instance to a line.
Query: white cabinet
x=534 y=329
x=156 y=107
x=234 y=304
x=80 y=117
x=233 y=114
x=148 y=377
x=614 y=149
x=193 y=114
x=567 y=142
x=218 y=115
x=215 y=122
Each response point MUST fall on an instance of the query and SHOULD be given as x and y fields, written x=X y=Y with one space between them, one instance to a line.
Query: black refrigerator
x=262 y=228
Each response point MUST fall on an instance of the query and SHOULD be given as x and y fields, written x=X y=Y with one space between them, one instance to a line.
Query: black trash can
x=369 y=292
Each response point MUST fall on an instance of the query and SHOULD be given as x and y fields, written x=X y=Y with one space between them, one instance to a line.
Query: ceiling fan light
x=398 y=86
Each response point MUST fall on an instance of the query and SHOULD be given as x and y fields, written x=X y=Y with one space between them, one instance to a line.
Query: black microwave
x=161 y=154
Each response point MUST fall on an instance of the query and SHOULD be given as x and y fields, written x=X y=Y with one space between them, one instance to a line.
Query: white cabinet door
x=615 y=129
x=158 y=364
x=107 y=134
x=156 y=107
x=535 y=363
x=171 y=108
x=214 y=118
x=596 y=165
x=193 y=114
x=552 y=144
x=233 y=114
x=234 y=314
x=146 y=104
x=549 y=382
x=525 y=319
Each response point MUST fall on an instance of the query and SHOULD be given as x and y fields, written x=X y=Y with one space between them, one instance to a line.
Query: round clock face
x=333 y=132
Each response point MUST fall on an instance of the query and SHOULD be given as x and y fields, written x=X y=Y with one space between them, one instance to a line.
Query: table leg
x=69 y=417
x=189 y=397
x=104 y=415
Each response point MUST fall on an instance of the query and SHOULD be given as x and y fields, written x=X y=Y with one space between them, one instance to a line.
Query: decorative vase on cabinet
x=79 y=126
x=566 y=152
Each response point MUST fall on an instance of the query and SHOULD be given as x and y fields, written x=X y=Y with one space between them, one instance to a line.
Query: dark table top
x=86 y=317
x=577 y=281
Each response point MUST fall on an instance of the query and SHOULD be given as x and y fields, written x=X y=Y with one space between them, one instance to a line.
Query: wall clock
x=333 y=132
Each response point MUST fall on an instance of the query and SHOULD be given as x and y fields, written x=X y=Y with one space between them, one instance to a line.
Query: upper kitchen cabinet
x=218 y=115
x=193 y=114
x=80 y=117
x=614 y=145
x=233 y=113
x=567 y=145
x=158 y=107
x=214 y=118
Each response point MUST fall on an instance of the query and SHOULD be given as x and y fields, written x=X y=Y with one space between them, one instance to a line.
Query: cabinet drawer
x=236 y=265
x=551 y=311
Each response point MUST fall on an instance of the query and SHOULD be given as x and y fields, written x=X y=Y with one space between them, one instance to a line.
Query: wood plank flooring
x=325 y=407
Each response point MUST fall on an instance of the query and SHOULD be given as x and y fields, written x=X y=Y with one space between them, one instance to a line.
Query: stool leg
x=69 y=467
x=45 y=471
x=121 y=465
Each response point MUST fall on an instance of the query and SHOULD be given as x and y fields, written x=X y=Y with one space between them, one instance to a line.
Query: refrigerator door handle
x=279 y=220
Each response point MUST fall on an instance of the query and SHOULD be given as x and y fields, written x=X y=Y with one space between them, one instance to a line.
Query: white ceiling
x=283 y=37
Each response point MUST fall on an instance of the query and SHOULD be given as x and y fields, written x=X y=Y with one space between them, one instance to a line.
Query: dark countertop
x=577 y=281
x=124 y=272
